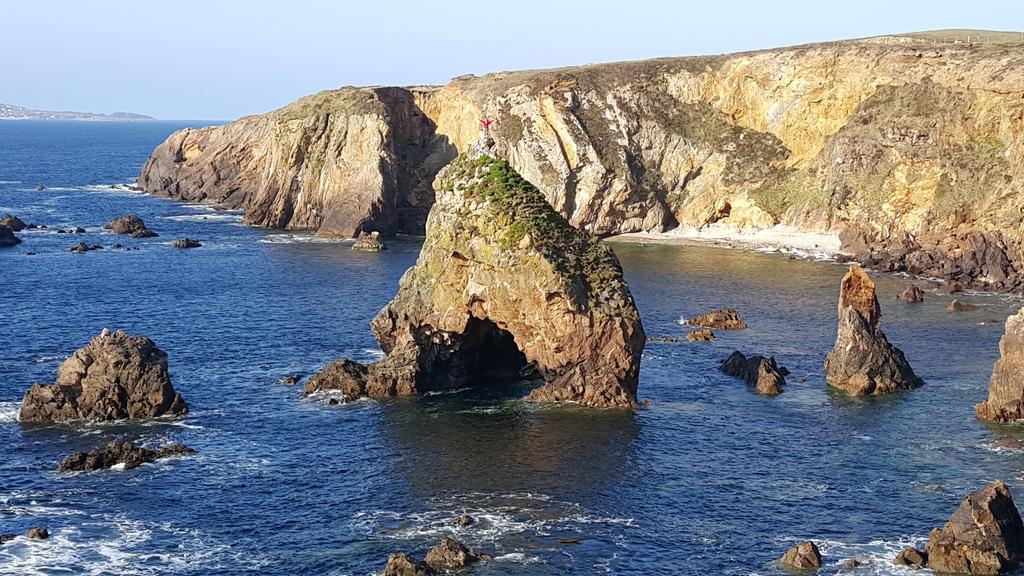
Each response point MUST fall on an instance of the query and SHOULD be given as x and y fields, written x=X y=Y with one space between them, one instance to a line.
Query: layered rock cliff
x=1005 y=402
x=914 y=149
x=502 y=283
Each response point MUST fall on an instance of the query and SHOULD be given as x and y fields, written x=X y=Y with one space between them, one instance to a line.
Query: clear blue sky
x=210 y=59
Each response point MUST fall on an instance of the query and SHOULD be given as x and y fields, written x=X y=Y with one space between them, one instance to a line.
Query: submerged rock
x=983 y=536
x=114 y=453
x=82 y=248
x=7 y=238
x=114 y=377
x=911 y=557
x=757 y=371
x=702 y=335
x=402 y=564
x=501 y=281
x=5 y=538
x=12 y=222
x=912 y=295
x=450 y=554
x=1005 y=401
x=38 y=533
x=187 y=242
x=465 y=520
x=863 y=362
x=724 y=319
x=958 y=306
x=132 y=225
x=803 y=556
x=369 y=242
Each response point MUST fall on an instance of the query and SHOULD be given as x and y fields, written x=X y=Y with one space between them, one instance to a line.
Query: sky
x=219 y=60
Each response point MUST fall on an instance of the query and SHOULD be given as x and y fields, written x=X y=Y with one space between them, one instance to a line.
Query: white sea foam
x=302 y=238
x=9 y=411
x=45 y=359
x=204 y=218
x=375 y=353
x=10 y=181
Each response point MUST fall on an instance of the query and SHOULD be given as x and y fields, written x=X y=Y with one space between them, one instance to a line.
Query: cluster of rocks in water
x=37 y=533
x=724 y=319
x=8 y=226
x=369 y=242
x=449 y=554
x=126 y=453
x=131 y=225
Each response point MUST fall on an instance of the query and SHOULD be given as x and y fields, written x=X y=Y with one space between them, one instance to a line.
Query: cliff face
x=905 y=145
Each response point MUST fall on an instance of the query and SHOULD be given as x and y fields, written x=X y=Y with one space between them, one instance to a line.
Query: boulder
x=345 y=375
x=291 y=379
x=762 y=373
x=82 y=248
x=369 y=242
x=7 y=238
x=186 y=242
x=12 y=222
x=131 y=225
x=803 y=556
x=38 y=533
x=114 y=453
x=724 y=319
x=503 y=280
x=701 y=335
x=863 y=362
x=912 y=294
x=912 y=558
x=983 y=536
x=1005 y=401
x=958 y=306
x=402 y=564
x=450 y=554
x=465 y=520
x=114 y=377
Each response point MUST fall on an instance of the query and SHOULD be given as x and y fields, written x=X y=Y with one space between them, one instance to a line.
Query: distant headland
x=11 y=112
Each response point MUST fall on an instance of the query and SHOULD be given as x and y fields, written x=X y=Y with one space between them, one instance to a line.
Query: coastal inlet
x=710 y=478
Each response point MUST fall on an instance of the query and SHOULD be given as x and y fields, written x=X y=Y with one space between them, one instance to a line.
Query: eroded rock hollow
x=502 y=283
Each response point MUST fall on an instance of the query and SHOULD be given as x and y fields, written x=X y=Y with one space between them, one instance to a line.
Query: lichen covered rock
x=1005 y=401
x=114 y=377
x=502 y=281
x=863 y=362
x=984 y=535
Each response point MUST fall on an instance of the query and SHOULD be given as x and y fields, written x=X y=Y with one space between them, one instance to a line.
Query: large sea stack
x=863 y=362
x=114 y=377
x=1005 y=401
x=983 y=536
x=503 y=281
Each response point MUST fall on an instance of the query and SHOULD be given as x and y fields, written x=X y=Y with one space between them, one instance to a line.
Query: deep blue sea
x=709 y=479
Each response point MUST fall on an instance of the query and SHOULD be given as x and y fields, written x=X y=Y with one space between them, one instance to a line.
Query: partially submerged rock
x=114 y=377
x=724 y=319
x=803 y=556
x=912 y=558
x=114 y=453
x=7 y=238
x=187 y=242
x=912 y=295
x=401 y=564
x=37 y=533
x=1005 y=401
x=131 y=225
x=700 y=335
x=5 y=538
x=82 y=248
x=958 y=306
x=12 y=222
x=662 y=340
x=863 y=362
x=983 y=536
x=369 y=242
x=762 y=373
x=450 y=554
x=465 y=520
x=502 y=281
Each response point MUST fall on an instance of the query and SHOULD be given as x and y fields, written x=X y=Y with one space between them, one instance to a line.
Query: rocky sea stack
x=114 y=377
x=983 y=536
x=863 y=362
x=1005 y=401
x=503 y=281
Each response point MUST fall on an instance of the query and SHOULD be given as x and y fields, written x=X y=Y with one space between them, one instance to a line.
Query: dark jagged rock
x=131 y=225
x=803 y=556
x=12 y=222
x=38 y=533
x=863 y=362
x=186 y=243
x=724 y=319
x=82 y=248
x=912 y=558
x=115 y=453
x=465 y=520
x=984 y=535
x=958 y=306
x=78 y=230
x=912 y=295
x=5 y=538
x=502 y=281
x=7 y=238
x=345 y=375
x=369 y=242
x=702 y=335
x=1005 y=402
x=402 y=564
x=291 y=379
x=757 y=371
x=114 y=377
x=450 y=554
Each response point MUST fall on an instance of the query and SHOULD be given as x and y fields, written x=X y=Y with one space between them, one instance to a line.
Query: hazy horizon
x=223 y=61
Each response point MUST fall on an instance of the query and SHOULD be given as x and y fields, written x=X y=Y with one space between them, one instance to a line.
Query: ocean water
x=709 y=479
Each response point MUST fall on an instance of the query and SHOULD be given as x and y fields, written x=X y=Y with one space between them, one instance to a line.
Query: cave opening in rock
x=489 y=355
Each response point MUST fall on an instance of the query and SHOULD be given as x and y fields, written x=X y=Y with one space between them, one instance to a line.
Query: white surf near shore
x=780 y=238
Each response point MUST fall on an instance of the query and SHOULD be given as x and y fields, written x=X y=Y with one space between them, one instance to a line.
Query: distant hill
x=11 y=112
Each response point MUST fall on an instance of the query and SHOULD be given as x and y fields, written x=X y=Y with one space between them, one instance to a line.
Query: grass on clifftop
x=524 y=210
